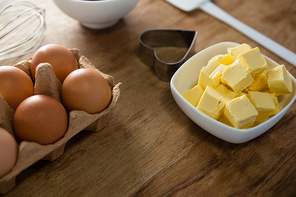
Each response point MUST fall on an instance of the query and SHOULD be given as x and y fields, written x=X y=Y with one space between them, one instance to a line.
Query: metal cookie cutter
x=153 y=39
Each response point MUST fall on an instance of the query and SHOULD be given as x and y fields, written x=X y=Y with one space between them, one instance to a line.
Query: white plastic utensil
x=210 y=8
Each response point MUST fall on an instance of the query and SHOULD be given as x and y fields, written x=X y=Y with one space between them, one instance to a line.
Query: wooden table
x=150 y=147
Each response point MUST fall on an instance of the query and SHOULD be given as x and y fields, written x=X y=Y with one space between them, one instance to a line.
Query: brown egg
x=15 y=85
x=87 y=90
x=8 y=152
x=40 y=119
x=61 y=59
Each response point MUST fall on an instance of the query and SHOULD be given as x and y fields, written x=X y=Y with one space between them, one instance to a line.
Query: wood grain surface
x=150 y=147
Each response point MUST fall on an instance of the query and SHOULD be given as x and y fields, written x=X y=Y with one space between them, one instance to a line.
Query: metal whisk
x=22 y=29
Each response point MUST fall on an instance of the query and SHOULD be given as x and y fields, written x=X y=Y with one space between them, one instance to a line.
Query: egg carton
x=31 y=152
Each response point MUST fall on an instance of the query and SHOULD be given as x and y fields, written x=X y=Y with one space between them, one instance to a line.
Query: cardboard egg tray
x=31 y=152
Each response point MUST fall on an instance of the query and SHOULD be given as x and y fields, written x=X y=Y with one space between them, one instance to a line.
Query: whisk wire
x=13 y=26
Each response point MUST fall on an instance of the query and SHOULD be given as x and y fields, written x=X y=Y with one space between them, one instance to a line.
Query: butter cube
x=253 y=60
x=277 y=105
x=242 y=93
x=279 y=80
x=216 y=75
x=240 y=112
x=236 y=51
x=204 y=79
x=223 y=59
x=193 y=95
x=264 y=104
x=224 y=90
x=212 y=102
x=236 y=77
x=259 y=83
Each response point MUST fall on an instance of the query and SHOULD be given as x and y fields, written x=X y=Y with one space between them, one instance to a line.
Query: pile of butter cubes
x=237 y=89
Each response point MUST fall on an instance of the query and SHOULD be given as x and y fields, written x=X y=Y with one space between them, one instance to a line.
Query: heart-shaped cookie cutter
x=155 y=38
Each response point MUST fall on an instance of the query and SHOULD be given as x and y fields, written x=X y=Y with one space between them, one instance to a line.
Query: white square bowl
x=187 y=76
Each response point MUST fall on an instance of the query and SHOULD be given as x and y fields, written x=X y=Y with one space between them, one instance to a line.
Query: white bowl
x=187 y=76
x=96 y=14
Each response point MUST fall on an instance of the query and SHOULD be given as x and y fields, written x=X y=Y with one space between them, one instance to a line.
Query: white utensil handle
x=268 y=43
